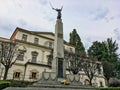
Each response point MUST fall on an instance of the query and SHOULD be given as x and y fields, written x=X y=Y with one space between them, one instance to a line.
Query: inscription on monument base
x=60 y=67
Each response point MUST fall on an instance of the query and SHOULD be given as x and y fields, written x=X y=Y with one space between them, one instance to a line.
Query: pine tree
x=76 y=41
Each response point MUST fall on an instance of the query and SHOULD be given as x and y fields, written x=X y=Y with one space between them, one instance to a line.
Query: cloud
x=100 y=13
x=22 y=22
x=117 y=33
x=43 y=2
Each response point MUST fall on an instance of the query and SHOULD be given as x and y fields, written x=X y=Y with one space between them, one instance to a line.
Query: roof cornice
x=35 y=33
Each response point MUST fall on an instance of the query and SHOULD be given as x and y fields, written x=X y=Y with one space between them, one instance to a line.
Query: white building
x=34 y=49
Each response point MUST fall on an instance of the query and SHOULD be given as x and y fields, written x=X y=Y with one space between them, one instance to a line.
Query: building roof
x=5 y=40
x=37 y=33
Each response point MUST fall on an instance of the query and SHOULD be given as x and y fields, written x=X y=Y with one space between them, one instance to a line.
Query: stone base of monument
x=49 y=81
x=47 y=78
x=50 y=78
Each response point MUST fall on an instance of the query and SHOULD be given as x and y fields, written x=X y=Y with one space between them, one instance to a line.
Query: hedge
x=4 y=84
x=110 y=88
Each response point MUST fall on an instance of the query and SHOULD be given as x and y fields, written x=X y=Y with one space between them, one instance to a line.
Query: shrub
x=20 y=83
x=111 y=88
x=4 y=84
x=114 y=82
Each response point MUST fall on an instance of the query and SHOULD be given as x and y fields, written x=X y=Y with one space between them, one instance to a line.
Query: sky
x=94 y=20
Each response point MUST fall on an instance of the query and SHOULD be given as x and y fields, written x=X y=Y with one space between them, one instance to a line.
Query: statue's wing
x=51 y=5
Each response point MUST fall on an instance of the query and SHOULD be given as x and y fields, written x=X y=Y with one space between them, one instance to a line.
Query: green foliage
x=4 y=84
x=108 y=69
x=20 y=83
x=76 y=41
x=107 y=53
x=104 y=51
x=111 y=49
x=11 y=83
x=96 y=50
x=117 y=71
x=110 y=88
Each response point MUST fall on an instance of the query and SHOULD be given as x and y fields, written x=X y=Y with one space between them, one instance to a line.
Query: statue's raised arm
x=59 y=12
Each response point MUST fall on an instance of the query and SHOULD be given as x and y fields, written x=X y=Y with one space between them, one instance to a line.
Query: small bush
x=111 y=88
x=20 y=83
x=114 y=82
x=4 y=84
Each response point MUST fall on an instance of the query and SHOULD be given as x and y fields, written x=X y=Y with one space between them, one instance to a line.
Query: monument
x=58 y=63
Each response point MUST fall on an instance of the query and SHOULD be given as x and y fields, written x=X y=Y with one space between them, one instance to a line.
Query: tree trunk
x=90 y=82
x=107 y=82
x=5 y=74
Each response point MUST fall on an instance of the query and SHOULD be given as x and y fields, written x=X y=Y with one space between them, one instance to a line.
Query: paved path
x=52 y=87
x=37 y=88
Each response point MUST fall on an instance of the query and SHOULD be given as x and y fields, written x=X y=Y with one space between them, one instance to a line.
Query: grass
x=4 y=81
x=110 y=88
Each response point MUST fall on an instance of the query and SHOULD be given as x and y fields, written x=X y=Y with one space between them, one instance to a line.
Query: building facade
x=34 y=48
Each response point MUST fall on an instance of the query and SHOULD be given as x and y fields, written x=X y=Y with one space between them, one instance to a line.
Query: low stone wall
x=47 y=78
x=74 y=79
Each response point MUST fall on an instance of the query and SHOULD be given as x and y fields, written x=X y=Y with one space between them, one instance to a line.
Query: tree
x=117 y=71
x=96 y=50
x=108 y=70
x=107 y=53
x=104 y=51
x=111 y=50
x=8 y=54
x=73 y=62
x=76 y=41
x=90 y=66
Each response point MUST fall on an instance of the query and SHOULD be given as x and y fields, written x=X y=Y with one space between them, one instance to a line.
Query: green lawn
x=110 y=88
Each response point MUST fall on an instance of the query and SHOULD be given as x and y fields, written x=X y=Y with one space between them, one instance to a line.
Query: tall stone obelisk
x=58 y=63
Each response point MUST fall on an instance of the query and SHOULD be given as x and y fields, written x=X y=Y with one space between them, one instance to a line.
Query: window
x=0 y=54
x=20 y=56
x=24 y=37
x=34 y=57
x=101 y=84
x=34 y=75
x=36 y=40
x=17 y=75
x=71 y=50
x=50 y=44
x=99 y=71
